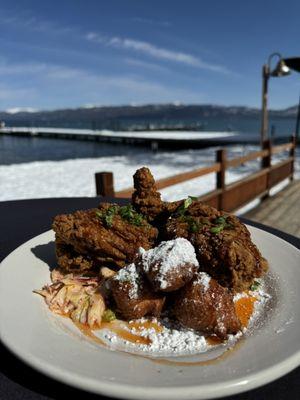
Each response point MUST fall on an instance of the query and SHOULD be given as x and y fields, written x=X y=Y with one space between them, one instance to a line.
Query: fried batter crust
x=84 y=241
x=229 y=256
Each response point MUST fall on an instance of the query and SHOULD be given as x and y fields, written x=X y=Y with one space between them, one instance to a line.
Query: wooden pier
x=281 y=211
x=153 y=139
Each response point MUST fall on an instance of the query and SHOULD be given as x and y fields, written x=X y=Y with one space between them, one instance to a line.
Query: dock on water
x=153 y=139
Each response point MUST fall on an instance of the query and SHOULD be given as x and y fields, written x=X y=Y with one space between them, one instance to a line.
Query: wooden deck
x=281 y=211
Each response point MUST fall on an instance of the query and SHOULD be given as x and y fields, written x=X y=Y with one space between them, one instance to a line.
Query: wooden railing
x=226 y=197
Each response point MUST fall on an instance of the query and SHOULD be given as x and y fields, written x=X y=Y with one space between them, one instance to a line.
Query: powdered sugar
x=168 y=256
x=174 y=340
x=203 y=279
x=131 y=275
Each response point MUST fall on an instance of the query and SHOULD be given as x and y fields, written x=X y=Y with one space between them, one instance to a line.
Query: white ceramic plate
x=52 y=345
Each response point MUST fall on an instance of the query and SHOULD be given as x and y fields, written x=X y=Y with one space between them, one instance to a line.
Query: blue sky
x=68 y=53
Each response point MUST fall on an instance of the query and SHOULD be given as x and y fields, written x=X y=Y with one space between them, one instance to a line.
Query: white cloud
x=155 y=51
x=148 y=65
x=27 y=21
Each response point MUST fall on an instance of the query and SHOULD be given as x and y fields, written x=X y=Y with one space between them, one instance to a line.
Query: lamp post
x=297 y=130
x=280 y=70
x=283 y=68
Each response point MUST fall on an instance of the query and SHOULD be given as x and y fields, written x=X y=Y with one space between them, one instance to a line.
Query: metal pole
x=264 y=117
x=298 y=123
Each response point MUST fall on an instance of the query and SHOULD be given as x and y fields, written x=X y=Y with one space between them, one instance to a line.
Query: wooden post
x=105 y=184
x=221 y=158
x=266 y=163
x=292 y=154
x=264 y=116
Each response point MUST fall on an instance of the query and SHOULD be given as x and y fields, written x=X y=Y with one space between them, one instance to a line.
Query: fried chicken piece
x=133 y=295
x=170 y=265
x=71 y=261
x=207 y=307
x=223 y=245
x=147 y=200
x=108 y=236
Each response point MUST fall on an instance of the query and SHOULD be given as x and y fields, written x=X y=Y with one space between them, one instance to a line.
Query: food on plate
x=109 y=235
x=222 y=242
x=206 y=306
x=133 y=296
x=147 y=200
x=170 y=265
x=77 y=297
x=157 y=275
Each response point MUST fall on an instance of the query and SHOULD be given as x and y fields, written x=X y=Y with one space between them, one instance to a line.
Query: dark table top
x=22 y=220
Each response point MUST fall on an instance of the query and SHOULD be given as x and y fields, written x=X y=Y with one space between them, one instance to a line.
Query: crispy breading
x=97 y=237
x=225 y=251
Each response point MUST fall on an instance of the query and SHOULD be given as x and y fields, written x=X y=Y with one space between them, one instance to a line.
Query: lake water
x=15 y=150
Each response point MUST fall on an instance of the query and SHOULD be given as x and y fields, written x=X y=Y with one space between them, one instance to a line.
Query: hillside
x=121 y=116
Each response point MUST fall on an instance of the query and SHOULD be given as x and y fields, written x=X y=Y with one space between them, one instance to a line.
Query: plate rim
x=121 y=390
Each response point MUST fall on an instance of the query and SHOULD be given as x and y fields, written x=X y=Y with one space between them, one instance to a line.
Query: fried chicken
x=107 y=236
x=207 y=307
x=147 y=200
x=223 y=244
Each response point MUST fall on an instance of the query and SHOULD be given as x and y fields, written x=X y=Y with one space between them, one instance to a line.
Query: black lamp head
x=293 y=63
x=281 y=69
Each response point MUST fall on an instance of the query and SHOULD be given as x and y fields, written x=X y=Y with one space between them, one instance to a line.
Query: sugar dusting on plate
x=174 y=340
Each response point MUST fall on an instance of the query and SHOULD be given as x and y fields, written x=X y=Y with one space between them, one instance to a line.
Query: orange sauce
x=87 y=331
x=139 y=326
x=244 y=309
x=122 y=333
x=113 y=327
x=213 y=340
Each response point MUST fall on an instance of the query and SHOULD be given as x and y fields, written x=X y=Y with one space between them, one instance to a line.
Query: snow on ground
x=70 y=178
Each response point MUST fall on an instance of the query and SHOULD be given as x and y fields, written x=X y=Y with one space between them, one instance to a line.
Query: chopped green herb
x=255 y=285
x=130 y=215
x=185 y=205
x=109 y=220
x=107 y=216
x=187 y=202
x=217 y=229
x=194 y=227
x=126 y=212
x=108 y=316
x=220 y=220
x=99 y=214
